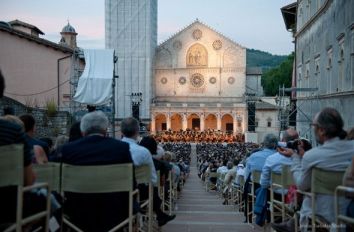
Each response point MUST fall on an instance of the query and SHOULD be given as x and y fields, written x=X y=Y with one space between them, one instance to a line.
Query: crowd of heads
x=181 y=151
x=222 y=152
x=192 y=136
x=215 y=149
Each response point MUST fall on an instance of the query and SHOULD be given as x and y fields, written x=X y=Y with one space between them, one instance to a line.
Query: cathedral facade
x=199 y=82
x=196 y=80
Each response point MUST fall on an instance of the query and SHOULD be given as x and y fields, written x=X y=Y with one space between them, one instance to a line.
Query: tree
x=278 y=76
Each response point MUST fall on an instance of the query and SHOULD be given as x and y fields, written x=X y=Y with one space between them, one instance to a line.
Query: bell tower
x=68 y=36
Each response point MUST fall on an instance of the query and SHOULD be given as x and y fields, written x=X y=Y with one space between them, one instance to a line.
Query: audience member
x=38 y=146
x=9 y=110
x=142 y=156
x=96 y=212
x=55 y=155
x=49 y=142
x=255 y=163
x=275 y=161
x=334 y=154
x=223 y=168
x=75 y=132
x=12 y=132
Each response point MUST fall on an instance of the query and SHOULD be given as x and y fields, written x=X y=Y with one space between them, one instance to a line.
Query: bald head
x=290 y=134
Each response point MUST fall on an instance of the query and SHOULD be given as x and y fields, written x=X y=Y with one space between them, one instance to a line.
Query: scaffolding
x=288 y=110
x=251 y=100
x=76 y=71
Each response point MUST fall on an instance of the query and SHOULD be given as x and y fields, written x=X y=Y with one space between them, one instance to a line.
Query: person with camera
x=333 y=154
x=275 y=161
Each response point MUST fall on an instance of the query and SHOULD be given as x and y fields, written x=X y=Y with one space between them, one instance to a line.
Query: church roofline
x=37 y=40
x=196 y=21
x=17 y=22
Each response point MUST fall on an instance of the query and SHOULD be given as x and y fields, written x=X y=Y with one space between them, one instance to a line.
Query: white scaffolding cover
x=95 y=83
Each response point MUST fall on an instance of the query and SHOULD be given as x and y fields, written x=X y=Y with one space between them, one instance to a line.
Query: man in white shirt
x=223 y=168
x=240 y=173
x=142 y=156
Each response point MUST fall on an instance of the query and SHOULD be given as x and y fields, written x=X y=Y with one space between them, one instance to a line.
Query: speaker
x=251 y=107
x=136 y=111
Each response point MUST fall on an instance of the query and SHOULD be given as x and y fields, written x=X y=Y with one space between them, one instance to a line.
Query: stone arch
x=176 y=122
x=160 y=122
x=193 y=122
x=197 y=55
x=164 y=58
x=227 y=123
x=210 y=122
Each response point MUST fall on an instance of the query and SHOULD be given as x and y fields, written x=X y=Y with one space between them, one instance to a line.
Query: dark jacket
x=96 y=212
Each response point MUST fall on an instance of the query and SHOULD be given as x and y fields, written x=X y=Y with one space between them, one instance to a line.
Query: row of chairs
x=11 y=173
x=68 y=178
x=323 y=182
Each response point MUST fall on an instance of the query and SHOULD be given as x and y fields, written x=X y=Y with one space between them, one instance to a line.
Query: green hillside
x=265 y=60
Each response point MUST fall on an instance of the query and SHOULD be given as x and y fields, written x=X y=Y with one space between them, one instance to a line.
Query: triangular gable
x=198 y=22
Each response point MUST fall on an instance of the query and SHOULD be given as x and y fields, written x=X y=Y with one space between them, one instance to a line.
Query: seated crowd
x=225 y=163
x=193 y=136
x=87 y=145
x=334 y=154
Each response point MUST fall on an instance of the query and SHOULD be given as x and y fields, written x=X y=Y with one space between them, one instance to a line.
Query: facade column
x=202 y=122
x=153 y=124
x=168 y=121
x=218 y=121
x=184 y=121
x=234 y=122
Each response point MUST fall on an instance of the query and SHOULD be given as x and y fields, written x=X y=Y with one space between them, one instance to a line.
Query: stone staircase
x=201 y=211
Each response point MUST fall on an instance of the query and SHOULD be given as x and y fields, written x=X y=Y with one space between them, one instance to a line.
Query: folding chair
x=341 y=217
x=161 y=191
x=172 y=193
x=48 y=173
x=11 y=172
x=281 y=181
x=143 y=176
x=322 y=182
x=238 y=192
x=221 y=183
x=256 y=176
x=100 y=179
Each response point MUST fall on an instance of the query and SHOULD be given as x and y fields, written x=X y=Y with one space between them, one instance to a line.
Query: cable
x=45 y=91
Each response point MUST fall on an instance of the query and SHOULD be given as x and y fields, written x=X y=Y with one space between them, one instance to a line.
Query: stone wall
x=324 y=60
x=45 y=126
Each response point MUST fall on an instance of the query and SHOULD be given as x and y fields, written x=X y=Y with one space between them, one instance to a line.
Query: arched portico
x=160 y=122
x=227 y=123
x=193 y=122
x=176 y=122
x=210 y=122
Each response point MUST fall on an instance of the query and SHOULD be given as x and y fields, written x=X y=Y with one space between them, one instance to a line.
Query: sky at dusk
x=254 y=24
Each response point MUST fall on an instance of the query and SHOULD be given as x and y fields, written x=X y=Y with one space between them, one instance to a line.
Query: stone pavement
x=201 y=211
